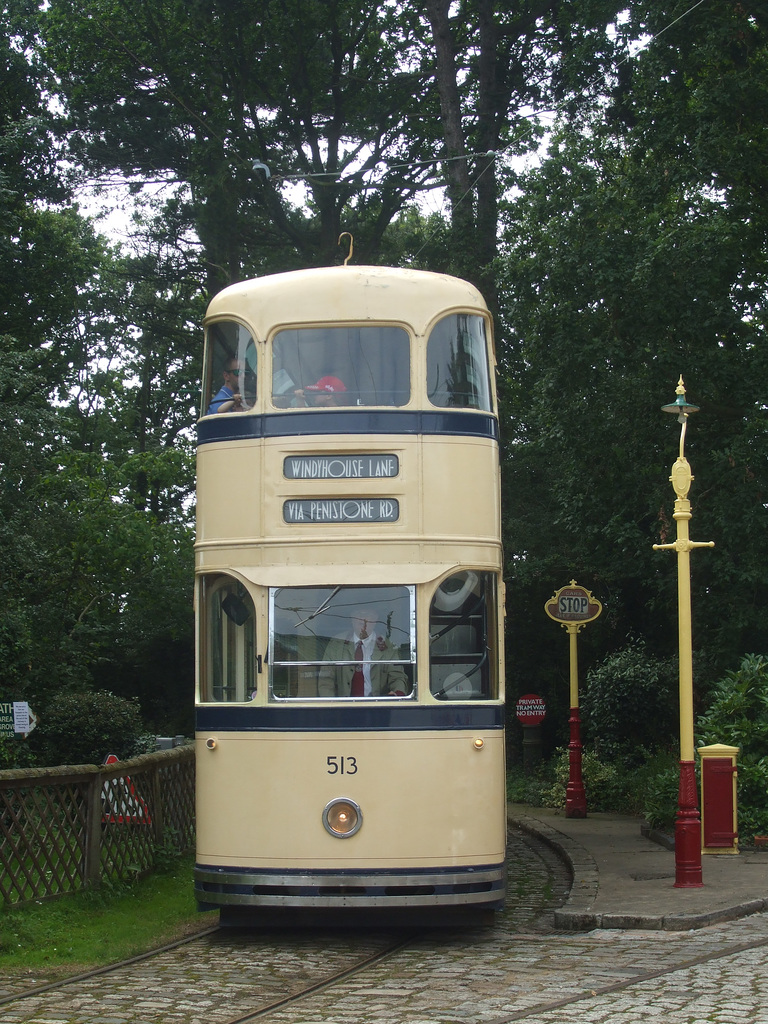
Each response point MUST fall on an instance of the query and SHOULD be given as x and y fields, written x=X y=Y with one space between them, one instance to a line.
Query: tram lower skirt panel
x=223 y=886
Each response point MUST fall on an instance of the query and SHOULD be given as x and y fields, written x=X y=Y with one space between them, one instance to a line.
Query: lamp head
x=680 y=407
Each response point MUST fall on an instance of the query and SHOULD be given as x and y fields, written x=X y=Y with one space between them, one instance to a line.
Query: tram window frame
x=371 y=362
x=229 y=341
x=228 y=640
x=325 y=659
x=463 y=637
x=458 y=366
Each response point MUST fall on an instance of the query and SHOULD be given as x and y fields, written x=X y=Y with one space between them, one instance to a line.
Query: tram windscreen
x=320 y=367
x=342 y=642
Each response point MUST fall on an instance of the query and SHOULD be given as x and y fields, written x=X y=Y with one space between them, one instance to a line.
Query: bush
x=648 y=788
x=83 y=728
x=602 y=782
x=738 y=717
x=659 y=787
x=629 y=702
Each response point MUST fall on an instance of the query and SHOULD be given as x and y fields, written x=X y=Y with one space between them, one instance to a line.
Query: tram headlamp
x=342 y=818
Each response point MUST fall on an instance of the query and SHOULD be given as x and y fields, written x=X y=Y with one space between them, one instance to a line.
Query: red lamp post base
x=687 y=831
x=575 y=795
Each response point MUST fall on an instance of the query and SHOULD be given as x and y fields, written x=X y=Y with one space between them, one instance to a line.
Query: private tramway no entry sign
x=530 y=709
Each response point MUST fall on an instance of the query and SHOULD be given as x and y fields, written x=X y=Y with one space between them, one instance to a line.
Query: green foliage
x=602 y=782
x=100 y=926
x=636 y=252
x=738 y=716
x=659 y=793
x=738 y=709
x=83 y=728
x=647 y=785
x=629 y=702
x=638 y=780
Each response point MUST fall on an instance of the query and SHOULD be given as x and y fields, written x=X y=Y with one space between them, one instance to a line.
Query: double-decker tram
x=349 y=598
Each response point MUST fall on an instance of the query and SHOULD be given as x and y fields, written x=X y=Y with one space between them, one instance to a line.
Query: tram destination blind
x=341 y=510
x=340 y=467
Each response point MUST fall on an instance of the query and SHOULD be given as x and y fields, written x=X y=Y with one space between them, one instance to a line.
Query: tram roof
x=345 y=294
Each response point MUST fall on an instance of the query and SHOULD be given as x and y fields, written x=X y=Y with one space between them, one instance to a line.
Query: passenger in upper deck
x=228 y=398
x=325 y=393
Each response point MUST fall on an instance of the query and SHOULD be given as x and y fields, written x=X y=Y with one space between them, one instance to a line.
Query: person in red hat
x=325 y=393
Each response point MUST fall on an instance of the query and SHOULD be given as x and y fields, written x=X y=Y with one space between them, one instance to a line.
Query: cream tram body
x=348 y=473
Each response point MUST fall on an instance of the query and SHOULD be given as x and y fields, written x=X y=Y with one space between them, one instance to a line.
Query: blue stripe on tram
x=358 y=422
x=358 y=718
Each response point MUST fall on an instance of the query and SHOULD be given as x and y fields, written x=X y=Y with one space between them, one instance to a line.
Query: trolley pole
x=688 y=821
x=573 y=607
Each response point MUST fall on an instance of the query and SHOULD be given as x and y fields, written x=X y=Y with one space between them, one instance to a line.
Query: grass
x=90 y=929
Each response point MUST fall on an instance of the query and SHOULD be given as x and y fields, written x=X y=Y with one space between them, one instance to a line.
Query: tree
x=236 y=101
x=95 y=486
x=241 y=104
x=492 y=69
x=628 y=260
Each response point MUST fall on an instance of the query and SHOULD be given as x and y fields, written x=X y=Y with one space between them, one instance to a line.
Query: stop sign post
x=573 y=607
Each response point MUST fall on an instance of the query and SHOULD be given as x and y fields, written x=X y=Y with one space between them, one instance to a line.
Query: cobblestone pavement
x=519 y=970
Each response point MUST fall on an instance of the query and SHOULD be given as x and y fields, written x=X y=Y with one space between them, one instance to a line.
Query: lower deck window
x=342 y=642
x=462 y=637
x=228 y=640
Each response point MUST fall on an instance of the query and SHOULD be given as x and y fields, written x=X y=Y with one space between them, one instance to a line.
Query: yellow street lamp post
x=687 y=822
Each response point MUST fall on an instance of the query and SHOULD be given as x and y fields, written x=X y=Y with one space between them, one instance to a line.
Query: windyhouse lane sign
x=341 y=467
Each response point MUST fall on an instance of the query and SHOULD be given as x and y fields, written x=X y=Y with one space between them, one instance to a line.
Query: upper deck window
x=458 y=375
x=230 y=379
x=333 y=366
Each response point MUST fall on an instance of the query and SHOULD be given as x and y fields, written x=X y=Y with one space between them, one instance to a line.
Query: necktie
x=358 y=681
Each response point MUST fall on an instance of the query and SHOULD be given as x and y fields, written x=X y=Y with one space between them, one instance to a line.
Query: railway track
x=125 y=987
x=363 y=972
x=290 y=965
x=517 y=970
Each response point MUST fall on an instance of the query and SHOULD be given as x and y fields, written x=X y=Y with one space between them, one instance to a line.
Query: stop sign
x=573 y=604
x=530 y=709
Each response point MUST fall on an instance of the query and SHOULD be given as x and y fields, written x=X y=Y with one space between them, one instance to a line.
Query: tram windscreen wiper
x=320 y=608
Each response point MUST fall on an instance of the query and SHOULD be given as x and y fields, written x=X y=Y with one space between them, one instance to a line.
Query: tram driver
x=228 y=397
x=360 y=663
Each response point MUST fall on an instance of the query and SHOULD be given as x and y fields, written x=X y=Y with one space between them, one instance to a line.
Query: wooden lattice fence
x=67 y=828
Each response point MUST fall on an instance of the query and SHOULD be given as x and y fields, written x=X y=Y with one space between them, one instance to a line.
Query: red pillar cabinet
x=719 y=828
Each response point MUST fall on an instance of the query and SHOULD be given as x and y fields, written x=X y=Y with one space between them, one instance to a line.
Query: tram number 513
x=342 y=765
